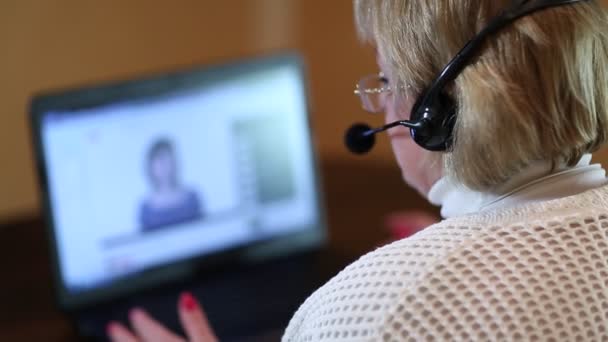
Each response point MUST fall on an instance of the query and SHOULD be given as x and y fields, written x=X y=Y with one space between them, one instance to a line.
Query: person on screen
x=169 y=202
x=522 y=251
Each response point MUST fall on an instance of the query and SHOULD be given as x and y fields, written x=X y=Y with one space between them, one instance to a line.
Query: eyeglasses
x=374 y=90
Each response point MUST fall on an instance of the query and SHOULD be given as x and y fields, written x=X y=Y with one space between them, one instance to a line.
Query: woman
x=522 y=253
x=168 y=203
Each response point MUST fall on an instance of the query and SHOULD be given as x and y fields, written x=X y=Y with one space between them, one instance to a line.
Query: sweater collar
x=538 y=182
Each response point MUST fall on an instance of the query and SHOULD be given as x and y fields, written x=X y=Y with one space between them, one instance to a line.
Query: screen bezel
x=151 y=87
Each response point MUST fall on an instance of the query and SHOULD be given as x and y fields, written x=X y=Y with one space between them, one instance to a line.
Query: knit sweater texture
x=537 y=271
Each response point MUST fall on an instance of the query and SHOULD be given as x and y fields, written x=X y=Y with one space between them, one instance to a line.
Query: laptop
x=202 y=180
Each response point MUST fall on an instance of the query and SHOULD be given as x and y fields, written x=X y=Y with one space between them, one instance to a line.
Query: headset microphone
x=360 y=138
x=433 y=115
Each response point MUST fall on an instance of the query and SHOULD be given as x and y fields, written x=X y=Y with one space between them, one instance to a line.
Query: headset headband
x=516 y=10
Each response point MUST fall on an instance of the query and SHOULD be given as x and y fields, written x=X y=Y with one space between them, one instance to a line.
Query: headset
x=433 y=115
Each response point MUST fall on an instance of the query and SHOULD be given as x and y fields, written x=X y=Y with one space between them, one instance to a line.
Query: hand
x=147 y=329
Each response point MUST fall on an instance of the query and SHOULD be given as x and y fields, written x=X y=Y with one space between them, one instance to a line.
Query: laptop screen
x=174 y=168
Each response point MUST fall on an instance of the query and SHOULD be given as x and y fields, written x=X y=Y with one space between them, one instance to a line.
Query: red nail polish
x=188 y=302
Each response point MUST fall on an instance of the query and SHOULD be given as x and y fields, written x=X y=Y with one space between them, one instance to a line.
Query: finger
x=119 y=333
x=194 y=320
x=150 y=330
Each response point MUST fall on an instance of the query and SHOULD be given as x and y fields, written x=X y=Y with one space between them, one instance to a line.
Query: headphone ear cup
x=437 y=117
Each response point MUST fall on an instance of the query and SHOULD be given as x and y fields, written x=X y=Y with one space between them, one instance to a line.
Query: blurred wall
x=61 y=43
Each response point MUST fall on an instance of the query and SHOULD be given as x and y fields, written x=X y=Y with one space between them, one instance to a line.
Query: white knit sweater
x=537 y=271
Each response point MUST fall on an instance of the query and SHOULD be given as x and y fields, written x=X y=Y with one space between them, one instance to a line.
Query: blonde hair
x=536 y=91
